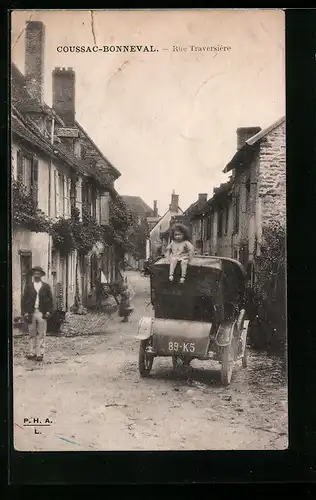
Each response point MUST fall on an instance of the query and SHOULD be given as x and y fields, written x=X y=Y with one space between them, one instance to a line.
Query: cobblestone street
x=90 y=389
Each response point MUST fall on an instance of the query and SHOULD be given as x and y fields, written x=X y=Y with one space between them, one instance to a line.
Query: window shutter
x=56 y=193
x=65 y=203
x=66 y=196
x=61 y=183
x=79 y=197
x=105 y=209
x=35 y=180
x=20 y=166
x=89 y=189
x=97 y=207
x=84 y=195
x=236 y=212
x=73 y=190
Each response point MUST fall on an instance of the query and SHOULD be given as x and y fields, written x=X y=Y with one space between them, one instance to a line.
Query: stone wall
x=272 y=176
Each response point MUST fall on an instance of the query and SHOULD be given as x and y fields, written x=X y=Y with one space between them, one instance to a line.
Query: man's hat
x=38 y=268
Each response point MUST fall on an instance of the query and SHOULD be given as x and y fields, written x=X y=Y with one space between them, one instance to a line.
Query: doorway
x=26 y=271
x=63 y=277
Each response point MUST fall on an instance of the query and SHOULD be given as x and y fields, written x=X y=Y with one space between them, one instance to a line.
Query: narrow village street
x=90 y=389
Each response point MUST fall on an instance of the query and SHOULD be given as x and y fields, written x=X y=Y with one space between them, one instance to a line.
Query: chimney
x=202 y=199
x=244 y=133
x=155 y=209
x=34 y=58
x=174 y=205
x=64 y=80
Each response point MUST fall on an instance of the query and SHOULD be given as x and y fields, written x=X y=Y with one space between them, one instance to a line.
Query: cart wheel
x=228 y=357
x=145 y=360
x=245 y=358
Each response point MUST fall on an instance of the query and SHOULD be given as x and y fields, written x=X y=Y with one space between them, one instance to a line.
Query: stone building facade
x=157 y=236
x=231 y=223
x=144 y=219
x=49 y=162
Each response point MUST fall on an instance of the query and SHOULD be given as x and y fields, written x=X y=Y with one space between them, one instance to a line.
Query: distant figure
x=37 y=307
x=125 y=308
x=179 y=250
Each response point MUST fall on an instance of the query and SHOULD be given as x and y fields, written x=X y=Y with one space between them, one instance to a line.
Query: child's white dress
x=181 y=250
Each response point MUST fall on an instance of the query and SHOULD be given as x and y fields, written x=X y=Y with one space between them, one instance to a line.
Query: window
x=105 y=209
x=236 y=213
x=93 y=202
x=226 y=220
x=73 y=191
x=61 y=191
x=27 y=173
x=98 y=207
x=209 y=222
x=63 y=194
x=27 y=167
x=205 y=228
x=247 y=195
x=201 y=230
x=220 y=222
x=89 y=198
x=26 y=266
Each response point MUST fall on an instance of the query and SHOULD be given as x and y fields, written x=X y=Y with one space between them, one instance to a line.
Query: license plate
x=183 y=347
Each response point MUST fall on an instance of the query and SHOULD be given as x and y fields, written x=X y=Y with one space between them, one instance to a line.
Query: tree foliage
x=137 y=236
x=270 y=265
x=270 y=287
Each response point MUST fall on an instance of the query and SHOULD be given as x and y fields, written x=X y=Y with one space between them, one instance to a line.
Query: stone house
x=158 y=236
x=144 y=218
x=258 y=187
x=197 y=222
x=231 y=223
x=50 y=166
x=236 y=222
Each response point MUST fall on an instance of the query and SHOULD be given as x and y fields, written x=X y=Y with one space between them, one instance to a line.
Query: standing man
x=37 y=307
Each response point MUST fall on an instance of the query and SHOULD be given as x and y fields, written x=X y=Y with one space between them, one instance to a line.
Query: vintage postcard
x=148 y=230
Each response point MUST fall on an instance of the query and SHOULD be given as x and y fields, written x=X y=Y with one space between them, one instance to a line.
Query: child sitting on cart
x=179 y=250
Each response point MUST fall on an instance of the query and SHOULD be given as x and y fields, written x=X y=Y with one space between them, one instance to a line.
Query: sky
x=167 y=120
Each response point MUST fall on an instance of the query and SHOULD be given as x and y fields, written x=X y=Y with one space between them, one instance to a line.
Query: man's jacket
x=45 y=299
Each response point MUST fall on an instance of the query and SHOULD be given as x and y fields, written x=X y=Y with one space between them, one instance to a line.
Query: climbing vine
x=72 y=233
x=270 y=265
x=25 y=211
x=270 y=285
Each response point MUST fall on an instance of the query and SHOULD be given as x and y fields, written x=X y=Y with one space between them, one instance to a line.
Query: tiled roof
x=137 y=205
x=108 y=163
x=194 y=210
x=255 y=138
x=20 y=129
x=27 y=129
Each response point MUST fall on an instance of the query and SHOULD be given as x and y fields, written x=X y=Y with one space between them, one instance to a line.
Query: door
x=82 y=279
x=63 y=272
x=26 y=270
x=54 y=278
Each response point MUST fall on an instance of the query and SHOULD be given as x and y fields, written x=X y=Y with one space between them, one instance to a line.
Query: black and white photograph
x=148 y=214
